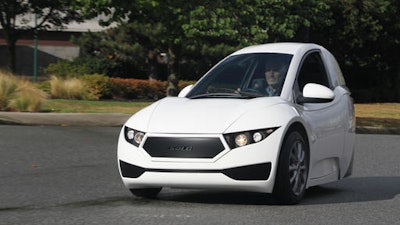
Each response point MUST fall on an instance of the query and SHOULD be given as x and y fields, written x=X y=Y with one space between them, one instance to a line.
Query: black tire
x=146 y=192
x=292 y=173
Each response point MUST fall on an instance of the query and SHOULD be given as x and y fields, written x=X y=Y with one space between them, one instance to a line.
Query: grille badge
x=180 y=148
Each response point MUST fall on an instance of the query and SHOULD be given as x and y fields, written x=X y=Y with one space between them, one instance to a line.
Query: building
x=53 y=45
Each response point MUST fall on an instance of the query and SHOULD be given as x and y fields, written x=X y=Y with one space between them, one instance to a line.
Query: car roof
x=284 y=47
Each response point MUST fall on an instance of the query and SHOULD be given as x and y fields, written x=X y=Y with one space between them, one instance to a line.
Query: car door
x=325 y=120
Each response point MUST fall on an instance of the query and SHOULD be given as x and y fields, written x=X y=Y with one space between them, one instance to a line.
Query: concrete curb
x=110 y=120
x=64 y=119
x=377 y=130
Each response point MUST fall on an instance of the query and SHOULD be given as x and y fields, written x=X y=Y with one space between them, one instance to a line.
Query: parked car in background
x=273 y=118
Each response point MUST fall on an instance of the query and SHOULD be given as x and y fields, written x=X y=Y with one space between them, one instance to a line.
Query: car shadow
x=358 y=189
x=215 y=197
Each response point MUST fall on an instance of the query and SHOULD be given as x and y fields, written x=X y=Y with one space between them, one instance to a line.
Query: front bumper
x=248 y=168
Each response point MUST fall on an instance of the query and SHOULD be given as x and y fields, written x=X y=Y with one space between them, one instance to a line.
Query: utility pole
x=35 y=46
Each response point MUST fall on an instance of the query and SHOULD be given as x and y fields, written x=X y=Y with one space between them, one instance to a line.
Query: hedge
x=142 y=89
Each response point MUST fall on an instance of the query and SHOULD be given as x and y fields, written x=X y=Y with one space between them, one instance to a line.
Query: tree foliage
x=365 y=39
x=362 y=34
x=202 y=32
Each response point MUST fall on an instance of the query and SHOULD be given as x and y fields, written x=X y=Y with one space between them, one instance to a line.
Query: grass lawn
x=83 y=106
x=377 y=115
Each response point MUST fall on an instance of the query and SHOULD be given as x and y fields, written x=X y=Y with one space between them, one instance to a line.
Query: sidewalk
x=109 y=120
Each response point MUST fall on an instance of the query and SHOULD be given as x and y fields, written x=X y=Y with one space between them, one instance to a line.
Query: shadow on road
x=359 y=189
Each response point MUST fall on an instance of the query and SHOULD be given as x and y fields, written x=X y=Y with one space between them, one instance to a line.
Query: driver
x=274 y=75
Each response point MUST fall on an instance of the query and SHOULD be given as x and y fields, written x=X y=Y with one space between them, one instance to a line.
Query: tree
x=219 y=27
x=214 y=27
x=362 y=34
x=117 y=51
x=17 y=16
x=365 y=39
x=155 y=25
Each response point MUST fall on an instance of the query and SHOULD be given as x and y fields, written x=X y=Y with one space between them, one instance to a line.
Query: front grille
x=183 y=147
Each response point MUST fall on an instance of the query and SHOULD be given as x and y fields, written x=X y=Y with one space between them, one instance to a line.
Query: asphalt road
x=68 y=175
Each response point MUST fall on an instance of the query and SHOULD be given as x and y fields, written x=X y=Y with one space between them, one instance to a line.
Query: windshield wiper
x=233 y=94
x=216 y=95
x=250 y=94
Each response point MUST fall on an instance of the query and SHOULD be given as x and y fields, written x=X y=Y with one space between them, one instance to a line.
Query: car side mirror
x=185 y=91
x=316 y=93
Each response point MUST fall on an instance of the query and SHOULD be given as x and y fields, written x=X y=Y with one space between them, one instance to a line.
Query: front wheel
x=292 y=173
x=146 y=192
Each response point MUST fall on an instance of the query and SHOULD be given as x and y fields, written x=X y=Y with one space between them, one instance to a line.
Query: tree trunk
x=11 y=37
x=172 y=89
x=397 y=82
x=153 y=64
x=11 y=58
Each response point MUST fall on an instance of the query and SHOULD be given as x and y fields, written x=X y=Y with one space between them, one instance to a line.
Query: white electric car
x=273 y=118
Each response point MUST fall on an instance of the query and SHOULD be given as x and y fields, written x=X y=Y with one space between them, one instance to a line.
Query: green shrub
x=69 y=88
x=100 y=86
x=44 y=86
x=27 y=98
x=65 y=68
x=142 y=89
x=138 y=89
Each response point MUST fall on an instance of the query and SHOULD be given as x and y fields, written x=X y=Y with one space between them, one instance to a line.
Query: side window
x=312 y=71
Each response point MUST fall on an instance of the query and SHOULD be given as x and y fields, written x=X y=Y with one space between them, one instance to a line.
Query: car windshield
x=244 y=76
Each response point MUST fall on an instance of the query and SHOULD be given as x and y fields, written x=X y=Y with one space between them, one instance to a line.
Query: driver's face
x=272 y=76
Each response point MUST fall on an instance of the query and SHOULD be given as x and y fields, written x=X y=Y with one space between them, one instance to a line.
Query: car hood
x=197 y=116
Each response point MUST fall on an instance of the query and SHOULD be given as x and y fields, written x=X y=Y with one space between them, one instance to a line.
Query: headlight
x=240 y=139
x=132 y=136
x=258 y=136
